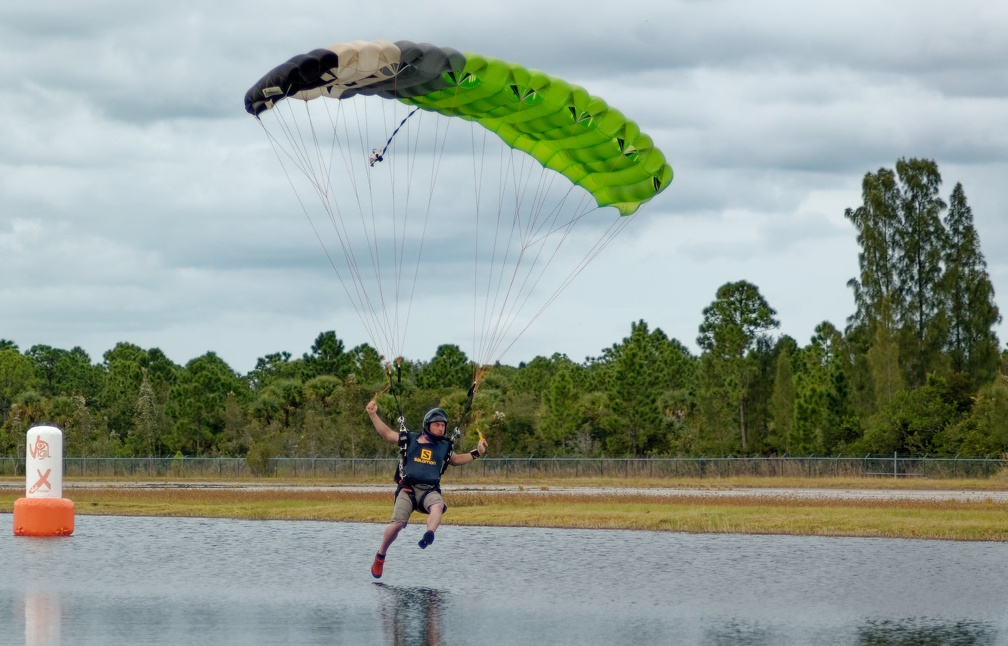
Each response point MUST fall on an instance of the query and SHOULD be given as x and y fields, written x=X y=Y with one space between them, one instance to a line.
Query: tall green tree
x=272 y=367
x=877 y=222
x=921 y=242
x=66 y=372
x=198 y=403
x=534 y=377
x=633 y=392
x=124 y=372
x=983 y=431
x=820 y=396
x=732 y=326
x=972 y=342
x=450 y=368
x=151 y=421
x=327 y=357
x=367 y=364
x=874 y=323
x=17 y=374
x=560 y=414
x=782 y=400
x=912 y=421
x=126 y=366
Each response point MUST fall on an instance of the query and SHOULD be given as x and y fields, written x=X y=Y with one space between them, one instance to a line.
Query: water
x=189 y=581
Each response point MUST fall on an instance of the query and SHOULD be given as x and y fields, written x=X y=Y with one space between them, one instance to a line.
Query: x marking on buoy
x=43 y=480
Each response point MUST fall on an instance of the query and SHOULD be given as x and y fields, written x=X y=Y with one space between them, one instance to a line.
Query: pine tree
x=921 y=310
x=632 y=393
x=782 y=401
x=877 y=222
x=972 y=342
x=732 y=327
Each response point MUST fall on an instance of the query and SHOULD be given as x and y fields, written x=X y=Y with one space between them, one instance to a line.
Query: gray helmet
x=434 y=415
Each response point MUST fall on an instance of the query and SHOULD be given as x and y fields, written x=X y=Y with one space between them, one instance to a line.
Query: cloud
x=138 y=201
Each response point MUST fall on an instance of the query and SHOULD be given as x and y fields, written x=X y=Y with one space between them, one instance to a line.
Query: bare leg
x=389 y=535
x=433 y=520
x=434 y=516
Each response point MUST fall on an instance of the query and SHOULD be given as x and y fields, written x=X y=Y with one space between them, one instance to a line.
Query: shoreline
x=704 y=489
x=940 y=510
x=772 y=493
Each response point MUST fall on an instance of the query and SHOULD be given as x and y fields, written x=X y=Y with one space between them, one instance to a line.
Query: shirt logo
x=426 y=457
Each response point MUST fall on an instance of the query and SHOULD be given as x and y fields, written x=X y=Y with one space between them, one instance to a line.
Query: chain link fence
x=507 y=468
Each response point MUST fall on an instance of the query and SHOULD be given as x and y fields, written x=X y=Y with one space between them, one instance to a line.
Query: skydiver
x=425 y=457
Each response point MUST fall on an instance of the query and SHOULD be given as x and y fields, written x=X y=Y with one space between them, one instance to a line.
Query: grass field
x=659 y=505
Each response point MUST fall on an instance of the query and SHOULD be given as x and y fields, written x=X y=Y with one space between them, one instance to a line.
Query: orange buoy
x=43 y=517
x=43 y=511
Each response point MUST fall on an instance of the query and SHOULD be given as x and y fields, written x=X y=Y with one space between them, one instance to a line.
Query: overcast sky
x=136 y=204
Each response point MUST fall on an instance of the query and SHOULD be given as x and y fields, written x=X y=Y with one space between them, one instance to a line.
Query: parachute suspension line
x=412 y=147
x=383 y=309
x=494 y=322
x=380 y=314
x=298 y=156
x=613 y=230
x=439 y=139
x=497 y=297
x=505 y=302
x=361 y=299
x=541 y=230
x=478 y=164
x=398 y=236
x=512 y=305
x=317 y=170
x=491 y=294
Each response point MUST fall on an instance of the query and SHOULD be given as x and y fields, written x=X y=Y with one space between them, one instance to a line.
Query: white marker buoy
x=43 y=511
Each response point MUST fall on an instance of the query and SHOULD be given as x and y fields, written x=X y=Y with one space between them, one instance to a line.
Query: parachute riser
x=466 y=409
x=395 y=389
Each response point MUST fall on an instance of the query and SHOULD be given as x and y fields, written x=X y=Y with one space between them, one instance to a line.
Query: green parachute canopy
x=557 y=123
x=427 y=174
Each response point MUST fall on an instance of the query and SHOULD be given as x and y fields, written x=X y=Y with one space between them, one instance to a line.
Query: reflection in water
x=910 y=632
x=913 y=633
x=277 y=583
x=411 y=615
x=43 y=621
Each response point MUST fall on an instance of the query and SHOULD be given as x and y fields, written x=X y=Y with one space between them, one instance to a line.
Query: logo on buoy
x=40 y=450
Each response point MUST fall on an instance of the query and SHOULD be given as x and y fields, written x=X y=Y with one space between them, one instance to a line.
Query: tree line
x=917 y=370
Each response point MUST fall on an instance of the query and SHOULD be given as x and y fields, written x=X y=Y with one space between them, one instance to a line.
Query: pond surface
x=200 y=581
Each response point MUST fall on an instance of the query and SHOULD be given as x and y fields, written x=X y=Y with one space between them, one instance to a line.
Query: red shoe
x=378 y=566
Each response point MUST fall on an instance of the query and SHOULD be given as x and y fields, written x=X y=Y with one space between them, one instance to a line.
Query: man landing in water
x=425 y=456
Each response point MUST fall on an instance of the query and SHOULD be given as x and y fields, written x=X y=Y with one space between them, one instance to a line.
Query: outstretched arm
x=458 y=459
x=379 y=424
